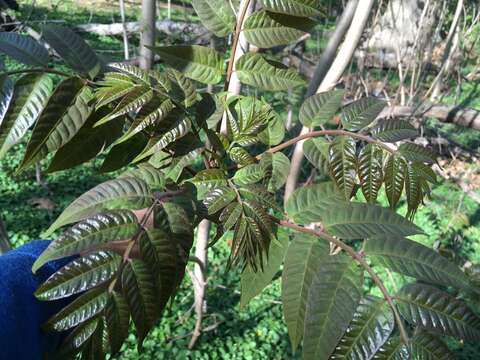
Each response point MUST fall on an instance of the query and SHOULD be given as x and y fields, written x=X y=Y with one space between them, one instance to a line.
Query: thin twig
x=236 y=36
x=357 y=257
x=313 y=134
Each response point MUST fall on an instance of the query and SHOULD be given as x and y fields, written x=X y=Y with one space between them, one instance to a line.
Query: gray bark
x=147 y=37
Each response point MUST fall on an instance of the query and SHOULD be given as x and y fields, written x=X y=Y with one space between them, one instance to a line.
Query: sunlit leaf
x=216 y=15
x=320 y=108
x=130 y=193
x=97 y=230
x=79 y=275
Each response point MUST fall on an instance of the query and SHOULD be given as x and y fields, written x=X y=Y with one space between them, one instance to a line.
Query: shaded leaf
x=117 y=321
x=428 y=347
x=370 y=163
x=414 y=152
x=394 y=349
x=140 y=292
x=316 y=151
x=252 y=283
x=217 y=198
x=433 y=309
x=154 y=178
x=416 y=260
x=334 y=295
x=343 y=164
x=64 y=114
x=302 y=260
x=393 y=130
x=361 y=113
x=73 y=49
x=23 y=48
x=394 y=174
x=370 y=328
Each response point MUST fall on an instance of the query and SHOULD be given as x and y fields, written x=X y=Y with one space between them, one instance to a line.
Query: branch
x=357 y=257
x=317 y=133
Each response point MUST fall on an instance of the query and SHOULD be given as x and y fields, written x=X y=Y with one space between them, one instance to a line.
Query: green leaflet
x=425 y=346
x=414 y=152
x=197 y=62
x=361 y=113
x=217 y=198
x=352 y=220
x=433 y=309
x=274 y=133
x=343 y=164
x=183 y=90
x=252 y=283
x=154 y=178
x=302 y=260
x=248 y=118
x=152 y=118
x=96 y=348
x=370 y=328
x=208 y=179
x=240 y=156
x=216 y=15
x=393 y=130
x=333 y=297
x=260 y=194
x=64 y=114
x=141 y=294
x=255 y=70
x=73 y=49
x=316 y=151
x=304 y=205
x=280 y=165
x=293 y=7
x=23 y=48
x=79 y=275
x=159 y=251
x=416 y=260
x=320 y=108
x=130 y=193
x=266 y=29
x=6 y=95
x=77 y=339
x=249 y=174
x=117 y=321
x=394 y=349
x=79 y=310
x=134 y=100
x=178 y=130
x=370 y=162
x=97 y=230
x=86 y=144
x=124 y=153
x=394 y=177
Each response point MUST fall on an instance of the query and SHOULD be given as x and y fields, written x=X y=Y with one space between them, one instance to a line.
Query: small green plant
x=159 y=122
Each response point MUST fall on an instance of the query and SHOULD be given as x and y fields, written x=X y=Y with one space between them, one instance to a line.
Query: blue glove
x=21 y=314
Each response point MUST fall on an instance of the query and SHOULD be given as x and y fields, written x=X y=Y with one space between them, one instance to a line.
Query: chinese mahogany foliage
x=154 y=125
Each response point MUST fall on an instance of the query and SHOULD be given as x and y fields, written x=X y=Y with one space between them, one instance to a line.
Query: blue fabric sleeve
x=21 y=314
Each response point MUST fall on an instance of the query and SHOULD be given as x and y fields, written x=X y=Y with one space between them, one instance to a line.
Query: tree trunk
x=338 y=66
x=147 y=34
x=124 y=30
